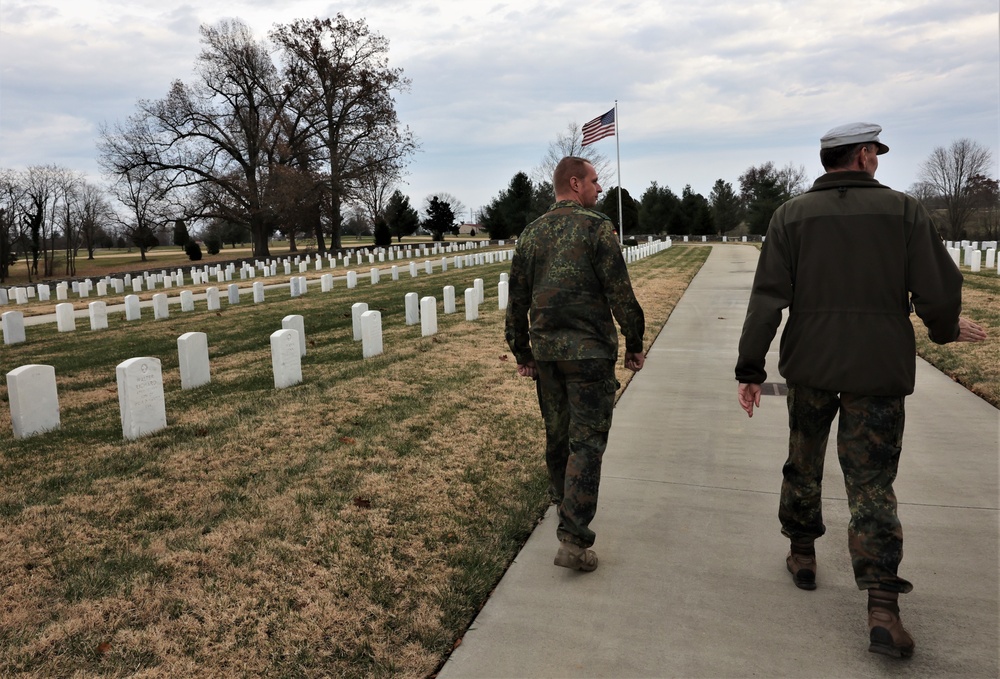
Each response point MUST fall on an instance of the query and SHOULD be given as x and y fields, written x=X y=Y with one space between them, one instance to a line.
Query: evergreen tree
x=383 y=237
x=630 y=211
x=657 y=208
x=400 y=217
x=181 y=235
x=440 y=218
x=513 y=209
x=726 y=210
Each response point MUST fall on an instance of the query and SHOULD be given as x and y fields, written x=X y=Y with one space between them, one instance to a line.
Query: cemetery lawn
x=349 y=526
x=975 y=366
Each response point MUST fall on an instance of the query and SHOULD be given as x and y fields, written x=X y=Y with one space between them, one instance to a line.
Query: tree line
x=953 y=185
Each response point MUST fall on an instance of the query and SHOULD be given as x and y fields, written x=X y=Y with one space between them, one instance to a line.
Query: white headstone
x=502 y=294
x=298 y=324
x=395 y=271
x=286 y=361
x=234 y=294
x=21 y=295
x=357 y=309
x=293 y=286
x=480 y=294
x=374 y=275
x=352 y=279
x=212 y=297
x=4 y=296
x=136 y=285
x=326 y=282
x=161 y=305
x=428 y=316
x=34 y=400
x=258 y=292
x=98 y=315
x=13 y=327
x=102 y=288
x=471 y=304
x=133 y=311
x=371 y=333
x=43 y=292
x=187 y=300
x=449 y=299
x=192 y=355
x=65 y=319
x=976 y=261
x=140 y=397
x=412 y=308
x=413 y=269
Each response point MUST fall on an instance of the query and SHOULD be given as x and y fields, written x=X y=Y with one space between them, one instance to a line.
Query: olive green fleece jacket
x=567 y=280
x=847 y=258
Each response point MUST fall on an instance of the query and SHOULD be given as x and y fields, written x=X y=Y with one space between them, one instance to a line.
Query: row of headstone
x=222 y=274
x=973 y=258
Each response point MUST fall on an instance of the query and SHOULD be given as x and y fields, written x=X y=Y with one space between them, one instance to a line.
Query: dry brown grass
x=348 y=526
x=975 y=366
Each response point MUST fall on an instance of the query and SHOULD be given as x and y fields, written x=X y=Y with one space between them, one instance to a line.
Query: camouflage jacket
x=567 y=279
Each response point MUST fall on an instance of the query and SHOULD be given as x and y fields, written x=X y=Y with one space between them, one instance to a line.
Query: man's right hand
x=528 y=369
x=970 y=331
x=635 y=361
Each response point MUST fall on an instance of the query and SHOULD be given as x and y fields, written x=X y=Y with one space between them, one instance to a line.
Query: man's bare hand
x=749 y=396
x=635 y=361
x=528 y=369
x=970 y=331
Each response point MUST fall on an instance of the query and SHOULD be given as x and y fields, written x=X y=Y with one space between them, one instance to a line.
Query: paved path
x=692 y=579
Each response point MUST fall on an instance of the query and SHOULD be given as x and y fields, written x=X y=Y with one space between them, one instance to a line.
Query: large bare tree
x=219 y=135
x=344 y=89
x=948 y=172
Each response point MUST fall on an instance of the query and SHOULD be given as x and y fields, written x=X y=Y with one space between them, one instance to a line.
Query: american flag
x=599 y=128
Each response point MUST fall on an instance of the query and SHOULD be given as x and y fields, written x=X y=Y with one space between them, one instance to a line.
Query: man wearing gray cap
x=850 y=259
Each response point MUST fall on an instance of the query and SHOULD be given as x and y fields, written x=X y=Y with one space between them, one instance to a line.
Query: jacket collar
x=845 y=179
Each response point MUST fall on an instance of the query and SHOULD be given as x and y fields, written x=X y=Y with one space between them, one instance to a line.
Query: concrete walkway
x=692 y=579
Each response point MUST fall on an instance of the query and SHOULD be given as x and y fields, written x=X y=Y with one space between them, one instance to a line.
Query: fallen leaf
x=103 y=648
x=362 y=502
x=503 y=357
x=347 y=439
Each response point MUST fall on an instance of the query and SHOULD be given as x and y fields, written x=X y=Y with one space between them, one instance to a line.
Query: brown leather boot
x=576 y=557
x=801 y=563
x=885 y=629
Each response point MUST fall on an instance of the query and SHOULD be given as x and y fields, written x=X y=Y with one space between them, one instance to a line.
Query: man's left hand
x=528 y=369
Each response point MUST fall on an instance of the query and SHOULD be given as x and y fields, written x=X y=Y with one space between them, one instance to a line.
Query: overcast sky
x=704 y=89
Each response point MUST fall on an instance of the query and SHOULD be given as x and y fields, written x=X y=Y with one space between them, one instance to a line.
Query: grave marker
x=140 y=397
x=412 y=309
x=357 y=309
x=286 y=362
x=449 y=299
x=428 y=316
x=34 y=400
x=13 y=327
x=192 y=358
x=65 y=319
x=133 y=311
x=98 y=315
x=297 y=323
x=371 y=334
x=161 y=308
x=212 y=297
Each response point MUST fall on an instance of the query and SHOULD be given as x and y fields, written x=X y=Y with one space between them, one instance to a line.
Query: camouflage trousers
x=869 y=436
x=577 y=399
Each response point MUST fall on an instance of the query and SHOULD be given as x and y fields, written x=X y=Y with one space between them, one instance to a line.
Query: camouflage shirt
x=567 y=278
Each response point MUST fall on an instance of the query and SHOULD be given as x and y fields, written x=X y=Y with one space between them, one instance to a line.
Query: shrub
x=213 y=244
x=193 y=250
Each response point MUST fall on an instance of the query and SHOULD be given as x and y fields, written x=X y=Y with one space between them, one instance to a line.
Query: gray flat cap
x=853 y=133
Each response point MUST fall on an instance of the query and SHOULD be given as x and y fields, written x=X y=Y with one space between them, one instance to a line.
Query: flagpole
x=618 y=153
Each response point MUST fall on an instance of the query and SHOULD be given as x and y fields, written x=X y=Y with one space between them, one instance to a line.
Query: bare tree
x=948 y=172
x=219 y=135
x=344 y=89
x=570 y=143
x=94 y=214
x=12 y=209
x=147 y=208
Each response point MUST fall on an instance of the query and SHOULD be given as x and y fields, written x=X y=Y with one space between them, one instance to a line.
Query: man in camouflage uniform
x=567 y=279
x=849 y=258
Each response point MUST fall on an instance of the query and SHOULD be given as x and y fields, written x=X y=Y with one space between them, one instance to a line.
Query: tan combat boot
x=801 y=563
x=574 y=556
x=885 y=629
